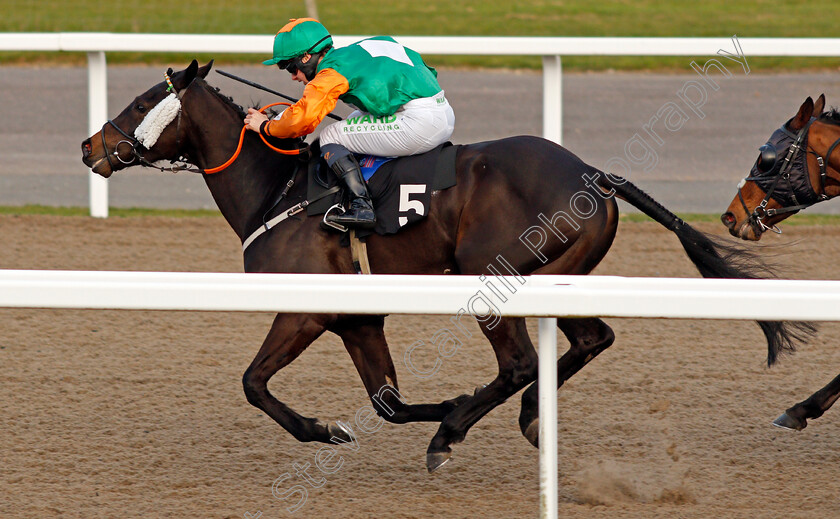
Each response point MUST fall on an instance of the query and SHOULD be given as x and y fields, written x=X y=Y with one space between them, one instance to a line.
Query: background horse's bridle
x=766 y=163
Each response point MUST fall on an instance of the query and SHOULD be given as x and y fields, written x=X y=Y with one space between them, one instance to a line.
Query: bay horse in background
x=504 y=188
x=796 y=168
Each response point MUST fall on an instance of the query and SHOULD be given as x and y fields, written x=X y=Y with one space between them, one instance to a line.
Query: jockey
x=401 y=108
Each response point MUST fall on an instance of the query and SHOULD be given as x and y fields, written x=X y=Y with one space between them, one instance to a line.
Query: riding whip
x=259 y=86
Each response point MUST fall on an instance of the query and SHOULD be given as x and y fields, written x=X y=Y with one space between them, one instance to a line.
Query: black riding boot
x=360 y=214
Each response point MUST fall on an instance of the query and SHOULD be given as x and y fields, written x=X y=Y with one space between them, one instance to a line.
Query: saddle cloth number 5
x=406 y=204
x=386 y=49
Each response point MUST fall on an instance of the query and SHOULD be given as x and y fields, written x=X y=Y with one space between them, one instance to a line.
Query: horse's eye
x=141 y=108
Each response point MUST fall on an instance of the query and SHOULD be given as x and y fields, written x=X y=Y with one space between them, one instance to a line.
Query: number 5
x=406 y=204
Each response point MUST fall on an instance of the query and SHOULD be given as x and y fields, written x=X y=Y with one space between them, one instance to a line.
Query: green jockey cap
x=299 y=36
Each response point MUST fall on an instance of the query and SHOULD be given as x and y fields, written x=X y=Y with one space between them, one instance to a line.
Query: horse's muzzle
x=87 y=149
x=728 y=220
x=91 y=161
x=745 y=231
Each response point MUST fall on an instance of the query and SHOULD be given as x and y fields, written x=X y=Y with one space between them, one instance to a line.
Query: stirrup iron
x=336 y=226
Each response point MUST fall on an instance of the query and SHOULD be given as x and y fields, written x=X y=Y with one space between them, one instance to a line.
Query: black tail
x=717 y=259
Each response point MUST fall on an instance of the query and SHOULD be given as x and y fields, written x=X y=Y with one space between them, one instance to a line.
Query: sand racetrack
x=142 y=414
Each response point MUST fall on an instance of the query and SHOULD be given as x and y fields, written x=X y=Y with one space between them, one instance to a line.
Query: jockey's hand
x=254 y=119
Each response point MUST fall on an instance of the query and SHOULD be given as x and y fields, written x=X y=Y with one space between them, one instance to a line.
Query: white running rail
x=545 y=297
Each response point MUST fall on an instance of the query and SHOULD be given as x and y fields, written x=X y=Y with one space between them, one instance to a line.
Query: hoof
x=532 y=433
x=435 y=460
x=785 y=421
x=339 y=433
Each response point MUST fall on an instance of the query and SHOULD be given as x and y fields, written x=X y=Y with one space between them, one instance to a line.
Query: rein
x=297 y=151
x=136 y=145
x=137 y=157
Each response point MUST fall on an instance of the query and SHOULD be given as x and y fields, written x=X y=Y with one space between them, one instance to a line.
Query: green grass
x=112 y=212
x=800 y=219
x=796 y=220
x=750 y=18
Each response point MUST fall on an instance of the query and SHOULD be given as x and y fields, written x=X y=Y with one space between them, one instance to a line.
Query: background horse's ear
x=801 y=119
x=203 y=71
x=819 y=106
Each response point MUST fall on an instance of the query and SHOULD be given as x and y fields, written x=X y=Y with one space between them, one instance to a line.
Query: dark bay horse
x=798 y=166
x=523 y=199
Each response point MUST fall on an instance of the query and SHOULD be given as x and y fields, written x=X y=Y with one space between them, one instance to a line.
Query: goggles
x=288 y=64
x=292 y=64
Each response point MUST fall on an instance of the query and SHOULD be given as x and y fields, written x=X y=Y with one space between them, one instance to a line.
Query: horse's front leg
x=796 y=418
x=290 y=334
x=364 y=338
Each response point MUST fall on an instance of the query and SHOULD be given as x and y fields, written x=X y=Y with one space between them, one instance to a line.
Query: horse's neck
x=832 y=162
x=243 y=189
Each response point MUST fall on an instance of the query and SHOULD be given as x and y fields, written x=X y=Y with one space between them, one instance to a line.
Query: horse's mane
x=226 y=99
x=832 y=116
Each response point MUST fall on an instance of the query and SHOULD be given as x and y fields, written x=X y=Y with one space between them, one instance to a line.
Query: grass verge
x=800 y=219
x=112 y=212
x=654 y=18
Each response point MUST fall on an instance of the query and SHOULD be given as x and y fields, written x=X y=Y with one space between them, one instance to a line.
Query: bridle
x=767 y=162
x=136 y=146
x=136 y=156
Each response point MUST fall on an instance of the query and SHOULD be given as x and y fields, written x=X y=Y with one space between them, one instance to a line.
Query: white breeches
x=418 y=126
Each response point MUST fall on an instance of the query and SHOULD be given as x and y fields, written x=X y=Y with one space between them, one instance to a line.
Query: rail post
x=547 y=385
x=553 y=99
x=97 y=115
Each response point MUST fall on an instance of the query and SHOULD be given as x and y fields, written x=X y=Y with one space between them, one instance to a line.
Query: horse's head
x=147 y=130
x=794 y=170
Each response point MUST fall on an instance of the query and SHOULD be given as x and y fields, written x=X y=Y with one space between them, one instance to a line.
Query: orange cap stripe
x=293 y=22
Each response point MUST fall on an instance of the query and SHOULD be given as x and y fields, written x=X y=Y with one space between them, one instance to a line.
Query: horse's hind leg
x=289 y=336
x=365 y=342
x=517 y=362
x=588 y=337
x=796 y=417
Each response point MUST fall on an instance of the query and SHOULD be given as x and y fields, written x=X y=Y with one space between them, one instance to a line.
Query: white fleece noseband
x=157 y=120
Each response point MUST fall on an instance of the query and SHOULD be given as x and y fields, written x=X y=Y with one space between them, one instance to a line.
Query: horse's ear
x=819 y=105
x=203 y=71
x=803 y=116
x=190 y=73
x=183 y=78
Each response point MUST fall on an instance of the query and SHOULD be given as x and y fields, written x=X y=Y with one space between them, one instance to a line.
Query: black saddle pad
x=401 y=189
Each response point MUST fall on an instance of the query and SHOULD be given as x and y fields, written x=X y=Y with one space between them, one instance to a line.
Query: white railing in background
x=545 y=297
x=550 y=48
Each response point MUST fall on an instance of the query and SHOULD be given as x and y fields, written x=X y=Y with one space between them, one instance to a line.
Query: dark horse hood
x=787 y=181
